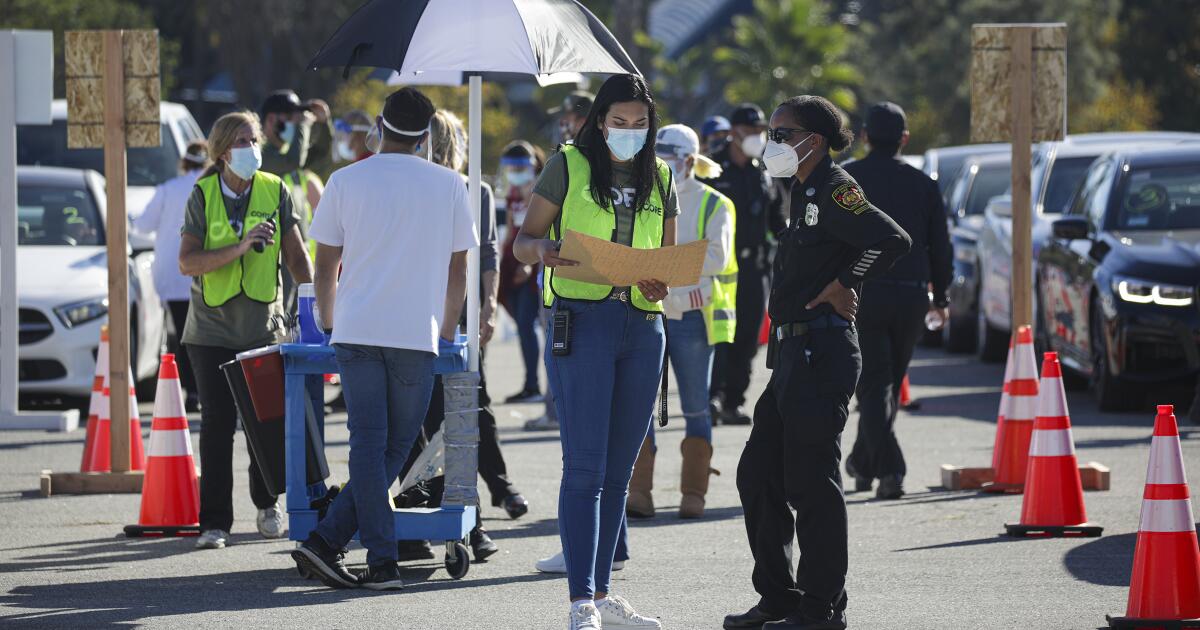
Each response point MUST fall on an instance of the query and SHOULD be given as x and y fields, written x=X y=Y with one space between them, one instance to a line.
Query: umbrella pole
x=474 y=167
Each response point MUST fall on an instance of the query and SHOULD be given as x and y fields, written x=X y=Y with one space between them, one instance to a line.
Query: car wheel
x=1111 y=393
x=991 y=344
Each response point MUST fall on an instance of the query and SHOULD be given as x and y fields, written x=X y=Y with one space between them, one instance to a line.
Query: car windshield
x=1065 y=176
x=948 y=167
x=57 y=215
x=989 y=182
x=1161 y=198
x=46 y=145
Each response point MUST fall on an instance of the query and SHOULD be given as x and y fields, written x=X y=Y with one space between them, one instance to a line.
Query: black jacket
x=912 y=200
x=759 y=204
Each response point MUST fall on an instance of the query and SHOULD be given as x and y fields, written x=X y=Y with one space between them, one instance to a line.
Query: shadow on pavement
x=667 y=516
x=962 y=543
x=933 y=495
x=1105 y=561
x=11 y=446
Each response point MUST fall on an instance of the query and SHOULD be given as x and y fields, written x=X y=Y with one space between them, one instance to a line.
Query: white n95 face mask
x=780 y=159
x=753 y=145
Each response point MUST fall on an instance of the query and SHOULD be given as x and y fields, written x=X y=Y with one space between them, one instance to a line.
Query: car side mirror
x=1070 y=228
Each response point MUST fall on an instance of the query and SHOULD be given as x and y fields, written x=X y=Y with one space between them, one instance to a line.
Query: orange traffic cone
x=1053 y=502
x=170 y=492
x=97 y=453
x=1165 y=588
x=1010 y=455
x=137 y=453
x=906 y=401
x=90 y=453
x=764 y=331
x=1008 y=372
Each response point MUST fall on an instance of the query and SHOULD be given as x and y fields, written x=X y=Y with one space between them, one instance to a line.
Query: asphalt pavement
x=935 y=559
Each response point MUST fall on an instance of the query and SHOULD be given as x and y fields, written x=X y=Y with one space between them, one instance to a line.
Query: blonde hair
x=224 y=133
x=447 y=141
x=705 y=168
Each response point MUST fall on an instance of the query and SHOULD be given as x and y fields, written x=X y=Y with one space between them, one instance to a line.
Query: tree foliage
x=1158 y=44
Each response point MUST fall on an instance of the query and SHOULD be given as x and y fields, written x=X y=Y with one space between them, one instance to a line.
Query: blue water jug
x=310 y=331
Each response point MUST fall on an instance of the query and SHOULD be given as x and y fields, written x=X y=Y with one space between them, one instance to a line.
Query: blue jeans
x=387 y=393
x=604 y=392
x=692 y=360
x=526 y=307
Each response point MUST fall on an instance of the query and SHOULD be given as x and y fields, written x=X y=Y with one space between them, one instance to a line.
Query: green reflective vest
x=582 y=214
x=297 y=183
x=720 y=316
x=254 y=274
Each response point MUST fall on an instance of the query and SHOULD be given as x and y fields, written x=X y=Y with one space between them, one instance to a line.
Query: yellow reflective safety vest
x=254 y=274
x=720 y=315
x=582 y=214
x=297 y=183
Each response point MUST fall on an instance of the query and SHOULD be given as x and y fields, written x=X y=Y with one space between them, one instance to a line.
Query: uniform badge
x=851 y=198
x=810 y=192
x=810 y=214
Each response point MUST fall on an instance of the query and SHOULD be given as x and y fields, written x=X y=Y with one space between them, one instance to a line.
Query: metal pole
x=8 y=227
x=474 y=172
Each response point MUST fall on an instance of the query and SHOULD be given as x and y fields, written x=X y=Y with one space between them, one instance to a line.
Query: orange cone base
x=1118 y=623
x=1084 y=530
x=141 y=531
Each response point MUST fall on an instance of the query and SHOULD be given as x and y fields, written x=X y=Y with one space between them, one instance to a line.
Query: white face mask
x=753 y=145
x=519 y=177
x=245 y=161
x=626 y=143
x=780 y=159
x=679 y=169
x=344 y=151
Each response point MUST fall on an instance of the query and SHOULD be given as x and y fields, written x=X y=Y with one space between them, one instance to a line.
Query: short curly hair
x=820 y=116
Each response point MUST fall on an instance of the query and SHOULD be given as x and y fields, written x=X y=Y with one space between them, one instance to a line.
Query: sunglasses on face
x=782 y=134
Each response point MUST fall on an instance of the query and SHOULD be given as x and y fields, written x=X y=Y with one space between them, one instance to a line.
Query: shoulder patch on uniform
x=850 y=197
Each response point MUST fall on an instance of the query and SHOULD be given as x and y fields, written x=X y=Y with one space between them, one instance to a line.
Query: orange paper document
x=605 y=262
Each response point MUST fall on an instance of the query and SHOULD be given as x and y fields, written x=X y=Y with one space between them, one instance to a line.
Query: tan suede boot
x=693 y=482
x=641 y=503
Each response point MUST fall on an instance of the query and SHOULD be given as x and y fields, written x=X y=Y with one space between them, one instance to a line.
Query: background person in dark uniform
x=836 y=241
x=894 y=304
x=760 y=210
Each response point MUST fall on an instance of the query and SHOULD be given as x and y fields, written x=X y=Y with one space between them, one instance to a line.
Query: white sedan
x=62 y=285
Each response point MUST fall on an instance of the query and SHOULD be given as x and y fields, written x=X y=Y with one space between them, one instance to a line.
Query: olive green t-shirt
x=240 y=323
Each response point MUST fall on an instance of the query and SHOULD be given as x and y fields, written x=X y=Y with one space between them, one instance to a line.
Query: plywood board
x=84 y=62
x=991 y=70
x=605 y=262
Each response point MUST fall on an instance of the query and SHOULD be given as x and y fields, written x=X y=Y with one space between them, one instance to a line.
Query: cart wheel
x=305 y=574
x=458 y=562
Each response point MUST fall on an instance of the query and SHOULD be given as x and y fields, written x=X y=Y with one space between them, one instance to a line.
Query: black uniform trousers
x=891 y=319
x=178 y=310
x=732 y=361
x=218 y=422
x=792 y=459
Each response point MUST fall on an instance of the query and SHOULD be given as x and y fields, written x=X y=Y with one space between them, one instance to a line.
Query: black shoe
x=192 y=404
x=525 y=396
x=861 y=484
x=835 y=620
x=384 y=577
x=714 y=410
x=890 y=487
x=735 y=416
x=324 y=562
x=753 y=618
x=411 y=550
x=514 y=504
x=482 y=545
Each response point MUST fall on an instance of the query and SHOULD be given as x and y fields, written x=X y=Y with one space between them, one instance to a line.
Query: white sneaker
x=558 y=564
x=212 y=539
x=270 y=522
x=583 y=616
x=617 y=613
x=542 y=423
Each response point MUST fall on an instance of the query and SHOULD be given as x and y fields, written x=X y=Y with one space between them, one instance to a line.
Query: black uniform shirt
x=835 y=233
x=912 y=200
x=759 y=207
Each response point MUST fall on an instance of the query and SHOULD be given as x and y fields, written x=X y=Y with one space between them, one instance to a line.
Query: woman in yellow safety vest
x=238 y=224
x=605 y=345
x=698 y=318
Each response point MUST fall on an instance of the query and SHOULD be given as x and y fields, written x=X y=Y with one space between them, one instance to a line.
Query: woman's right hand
x=261 y=233
x=548 y=255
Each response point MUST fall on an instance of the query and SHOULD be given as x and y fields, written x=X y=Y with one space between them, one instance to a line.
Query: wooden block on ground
x=90 y=483
x=1094 y=476
x=963 y=478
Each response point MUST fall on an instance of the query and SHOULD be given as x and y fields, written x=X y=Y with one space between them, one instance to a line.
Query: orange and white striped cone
x=170 y=491
x=97 y=399
x=137 y=452
x=98 y=456
x=1053 y=502
x=1010 y=456
x=1003 y=410
x=1164 y=590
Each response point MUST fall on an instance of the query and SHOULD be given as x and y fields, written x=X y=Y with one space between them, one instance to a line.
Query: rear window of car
x=1162 y=198
x=989 y=182
x=57 y=215
x=1066 y=175
x=46 y=145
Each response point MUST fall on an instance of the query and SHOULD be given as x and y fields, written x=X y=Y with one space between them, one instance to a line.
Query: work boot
x=890 y=487
x=640 y=503
x=736 y=416
x=835 y=620
x=752 y=619
x=693 y=478
x=861 y=483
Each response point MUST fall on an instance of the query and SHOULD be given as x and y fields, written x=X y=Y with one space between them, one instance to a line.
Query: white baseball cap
x=677 y=141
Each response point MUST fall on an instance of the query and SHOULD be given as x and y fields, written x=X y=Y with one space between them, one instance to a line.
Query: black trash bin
x=266 y=437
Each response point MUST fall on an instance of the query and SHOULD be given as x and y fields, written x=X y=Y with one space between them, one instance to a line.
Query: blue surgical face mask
x=245 y=161
x=289 y=132
x=625 y=143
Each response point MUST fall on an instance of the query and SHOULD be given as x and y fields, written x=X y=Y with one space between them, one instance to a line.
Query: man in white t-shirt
x=394 y=224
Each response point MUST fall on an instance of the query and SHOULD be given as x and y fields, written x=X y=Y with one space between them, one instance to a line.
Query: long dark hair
x=619 y=88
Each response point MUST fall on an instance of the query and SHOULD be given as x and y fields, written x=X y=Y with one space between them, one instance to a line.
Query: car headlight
x=1143 y=292
x=78 y=313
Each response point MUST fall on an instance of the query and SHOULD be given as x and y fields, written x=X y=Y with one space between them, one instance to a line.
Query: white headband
x=199 y=158
x=401 y=131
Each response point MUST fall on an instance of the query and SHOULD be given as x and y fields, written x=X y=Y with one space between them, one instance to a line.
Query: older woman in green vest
x=239 y=228
x=608 y=185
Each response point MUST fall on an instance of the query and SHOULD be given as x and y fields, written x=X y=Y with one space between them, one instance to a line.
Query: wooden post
x=118 y=266
x=1021 y=112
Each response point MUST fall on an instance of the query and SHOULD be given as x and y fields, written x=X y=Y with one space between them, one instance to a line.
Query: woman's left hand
x=654 y=290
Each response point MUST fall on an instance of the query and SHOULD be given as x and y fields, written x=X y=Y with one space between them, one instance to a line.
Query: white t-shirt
x=163 y=218
x=398 y=219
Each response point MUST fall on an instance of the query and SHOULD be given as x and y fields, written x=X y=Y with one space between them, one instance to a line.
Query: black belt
x=796 y=329
x=918 y=284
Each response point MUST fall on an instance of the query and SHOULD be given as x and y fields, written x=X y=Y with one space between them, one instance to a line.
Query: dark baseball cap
x=579 y=102
x=886 y=122
x=281 y=102
x=748 y=114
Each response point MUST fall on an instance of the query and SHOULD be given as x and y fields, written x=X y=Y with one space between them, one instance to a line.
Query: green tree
x=1158 y=43
x=785 y=48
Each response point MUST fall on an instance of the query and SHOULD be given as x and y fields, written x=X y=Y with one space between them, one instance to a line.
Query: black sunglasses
x=781 y=134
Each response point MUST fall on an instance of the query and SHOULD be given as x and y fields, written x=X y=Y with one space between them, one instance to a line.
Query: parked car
x=979 y=180
x=944 y=163
x=1057 y=170
x=46 y=145
x=62 y=285
x=1117 y=281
